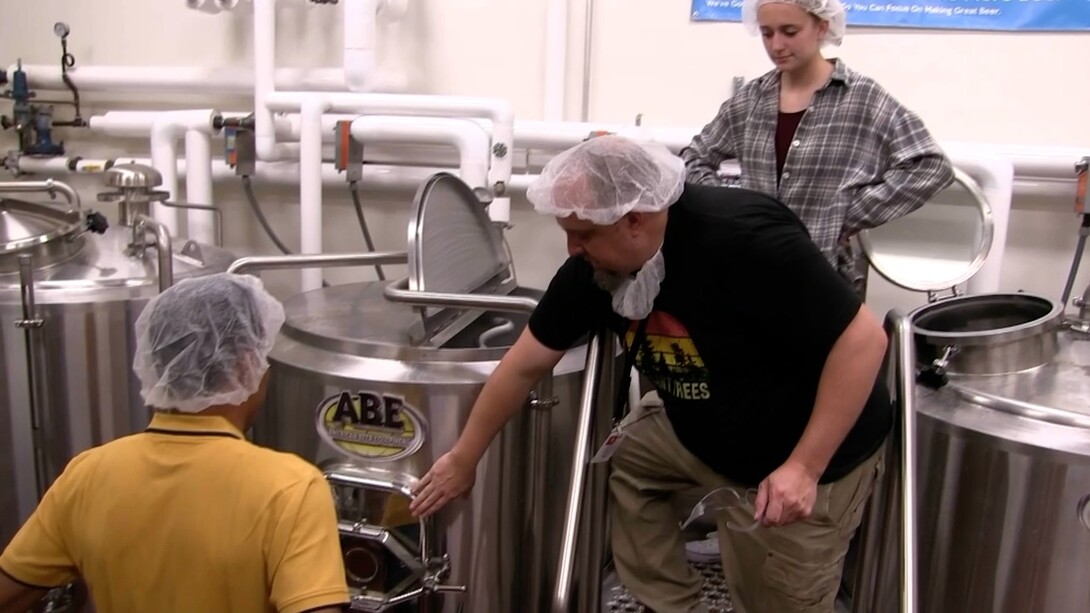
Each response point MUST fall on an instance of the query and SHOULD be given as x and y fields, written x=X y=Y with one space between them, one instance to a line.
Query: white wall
x=647 y=58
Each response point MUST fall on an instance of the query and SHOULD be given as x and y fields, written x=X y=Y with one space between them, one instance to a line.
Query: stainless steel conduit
x=50 y=186
x=216 y=213
x=292 y=262
x=587 y=403
x=31 y=324
x=533 y=528
x=146 y=225
x=900 y=328
x=399 y=291
x=885 y=578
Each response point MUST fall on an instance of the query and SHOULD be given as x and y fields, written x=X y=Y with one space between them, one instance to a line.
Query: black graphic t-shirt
x=744 y=321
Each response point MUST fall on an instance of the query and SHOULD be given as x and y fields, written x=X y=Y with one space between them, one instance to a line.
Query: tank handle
x=399 y=291
x=321 y=260
x=50 y=186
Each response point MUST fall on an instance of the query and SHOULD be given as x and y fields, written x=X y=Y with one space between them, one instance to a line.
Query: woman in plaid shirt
x=828 y=142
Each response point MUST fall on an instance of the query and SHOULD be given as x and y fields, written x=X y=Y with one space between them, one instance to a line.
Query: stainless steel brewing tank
x=351 y=392
x=1003 y=462
x=88 y=292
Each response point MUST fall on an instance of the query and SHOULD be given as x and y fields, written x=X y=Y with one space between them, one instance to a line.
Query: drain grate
x=714 y=593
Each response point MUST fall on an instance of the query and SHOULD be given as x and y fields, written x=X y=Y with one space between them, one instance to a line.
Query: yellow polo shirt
x=187 y=517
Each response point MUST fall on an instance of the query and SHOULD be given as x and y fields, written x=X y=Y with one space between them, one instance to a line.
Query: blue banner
x=1008 y=15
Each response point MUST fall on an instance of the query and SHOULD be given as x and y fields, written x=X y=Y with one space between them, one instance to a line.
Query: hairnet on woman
x=827 y=12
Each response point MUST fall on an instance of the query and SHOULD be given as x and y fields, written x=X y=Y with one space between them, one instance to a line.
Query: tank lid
x=940 y=245
x=454 y=247
x=34 y=228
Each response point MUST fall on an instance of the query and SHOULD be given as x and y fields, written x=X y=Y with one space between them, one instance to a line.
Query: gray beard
x=609 y=281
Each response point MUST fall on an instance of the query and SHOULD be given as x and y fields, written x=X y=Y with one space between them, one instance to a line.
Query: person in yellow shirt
x=188 y=515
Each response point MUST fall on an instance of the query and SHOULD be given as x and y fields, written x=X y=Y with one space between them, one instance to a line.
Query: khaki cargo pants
x=789 y=569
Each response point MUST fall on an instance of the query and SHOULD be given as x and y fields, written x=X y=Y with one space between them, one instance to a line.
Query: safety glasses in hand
x=724 y=499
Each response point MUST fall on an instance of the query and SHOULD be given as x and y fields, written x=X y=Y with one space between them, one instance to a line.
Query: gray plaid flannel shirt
x=858 y=158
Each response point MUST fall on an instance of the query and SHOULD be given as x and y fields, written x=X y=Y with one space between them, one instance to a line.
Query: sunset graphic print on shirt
x=669 y=359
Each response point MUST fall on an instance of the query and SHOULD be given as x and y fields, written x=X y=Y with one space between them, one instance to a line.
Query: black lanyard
x=626 y=378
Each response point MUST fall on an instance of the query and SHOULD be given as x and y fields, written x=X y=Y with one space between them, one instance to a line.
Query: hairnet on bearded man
x=607 y=177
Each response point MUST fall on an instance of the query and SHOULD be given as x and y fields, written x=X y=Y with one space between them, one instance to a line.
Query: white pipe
x=190 y=79
x=1045 y=189
x=164 y=158
x=310 y=188
x=198 y=186
x=264 y=82
x=497 y=110
x=1031 y=161
x=359 y=67
x=360 y=31
x=995 y=175
x=468 y=137
x=291 y=126
x=556 y=58
x=375 y=176
x=559 y=135
x=142 y=123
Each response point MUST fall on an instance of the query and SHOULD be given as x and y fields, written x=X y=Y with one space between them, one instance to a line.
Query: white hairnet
x=826 y=10
x=604 y=178
x=205 y=341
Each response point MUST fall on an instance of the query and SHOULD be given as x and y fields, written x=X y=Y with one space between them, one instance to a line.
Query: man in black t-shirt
x=765 y=361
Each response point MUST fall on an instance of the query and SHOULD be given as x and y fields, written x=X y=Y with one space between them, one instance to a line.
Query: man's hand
x=451 y=476
x=786 y=496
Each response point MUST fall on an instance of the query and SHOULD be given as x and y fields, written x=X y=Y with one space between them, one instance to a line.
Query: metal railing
x=596 y=352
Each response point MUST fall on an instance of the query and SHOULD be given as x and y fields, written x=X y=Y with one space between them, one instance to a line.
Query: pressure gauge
x=61 y=29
